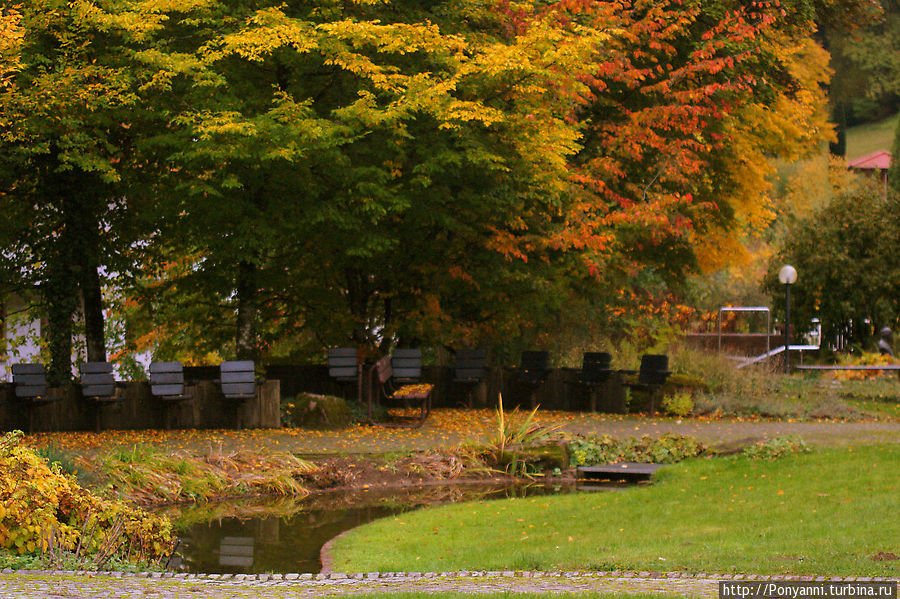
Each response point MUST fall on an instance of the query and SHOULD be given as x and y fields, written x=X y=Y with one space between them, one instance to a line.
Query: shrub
x=864 y=359
x=776 y=447
x=44 y=512
x=668 y=449
x=678 y=404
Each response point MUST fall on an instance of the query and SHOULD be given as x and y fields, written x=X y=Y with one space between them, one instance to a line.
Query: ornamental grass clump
x=512 y=433
x=149 y=476
x=46 y=514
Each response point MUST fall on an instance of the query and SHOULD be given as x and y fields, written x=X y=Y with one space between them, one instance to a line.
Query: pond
x=286 y=535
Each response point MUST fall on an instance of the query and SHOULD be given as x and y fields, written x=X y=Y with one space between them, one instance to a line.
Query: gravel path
x=72 y=585
x=448 y=427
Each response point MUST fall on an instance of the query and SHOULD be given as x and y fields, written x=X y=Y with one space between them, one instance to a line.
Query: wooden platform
x=627 y=471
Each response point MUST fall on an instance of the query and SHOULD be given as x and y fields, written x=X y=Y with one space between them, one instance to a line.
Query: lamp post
x=787 y=275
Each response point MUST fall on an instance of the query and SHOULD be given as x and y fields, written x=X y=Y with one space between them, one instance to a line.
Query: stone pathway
x=447 y=427
x=115 y=585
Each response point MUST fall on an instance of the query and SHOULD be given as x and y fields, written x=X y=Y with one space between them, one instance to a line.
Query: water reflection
x=251 y=537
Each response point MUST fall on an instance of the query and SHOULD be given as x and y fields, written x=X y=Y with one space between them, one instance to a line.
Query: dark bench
x=470 y=369
x=98 y=385
x=30 y=387
x=652 y=375
x=533 y=370
x=343 y=364
x=344 y=367
x=237 y=381
x=406 y=366
x=596 y=370
x=167 y=385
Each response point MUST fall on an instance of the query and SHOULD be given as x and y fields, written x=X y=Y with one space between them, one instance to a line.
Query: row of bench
x=98 y=385
x=471 y=366
x=404 y=366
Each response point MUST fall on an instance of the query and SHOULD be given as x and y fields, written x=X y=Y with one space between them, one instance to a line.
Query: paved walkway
x=448 y=427
x=71 y=585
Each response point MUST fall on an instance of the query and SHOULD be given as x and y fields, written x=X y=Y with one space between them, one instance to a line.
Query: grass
x=147 y=474
x=760 y=391
x=828 y=512
x=878 y=395
x=871 y=137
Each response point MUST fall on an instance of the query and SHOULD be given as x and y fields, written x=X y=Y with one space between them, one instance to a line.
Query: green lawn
x=868 y=138
x=833 y=511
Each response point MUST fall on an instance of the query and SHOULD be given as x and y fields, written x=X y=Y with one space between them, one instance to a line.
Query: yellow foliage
x=413 y=391
x=866 y=359
x=792 y=127
x=39 y=503
x=11 y=35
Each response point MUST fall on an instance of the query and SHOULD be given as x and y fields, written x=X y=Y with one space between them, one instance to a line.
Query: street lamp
x=787 y=275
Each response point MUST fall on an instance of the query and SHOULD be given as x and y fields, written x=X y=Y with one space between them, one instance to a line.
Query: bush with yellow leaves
x=864 y=359
x=44 y=512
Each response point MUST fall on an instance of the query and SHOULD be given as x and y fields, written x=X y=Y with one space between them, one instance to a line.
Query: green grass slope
x=871 y=137
x=832 y=512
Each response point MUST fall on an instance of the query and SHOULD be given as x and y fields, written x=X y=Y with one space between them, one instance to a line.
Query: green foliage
x=848 y=274
x=59 y=459
x=777 y=447
x=45 y=512
x=678 y=404
x=667 y=449
x=866 y=83
x=894 y=172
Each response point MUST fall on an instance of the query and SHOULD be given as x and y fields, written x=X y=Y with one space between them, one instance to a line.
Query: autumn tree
x=338 y=164
x=688 y=104
x=67 y=117
x=848 y=271
x=456 y=173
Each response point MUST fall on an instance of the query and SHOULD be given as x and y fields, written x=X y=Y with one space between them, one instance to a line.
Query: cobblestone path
x=73 y=585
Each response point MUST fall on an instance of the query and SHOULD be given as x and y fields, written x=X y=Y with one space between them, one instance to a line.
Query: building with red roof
x=876 y=161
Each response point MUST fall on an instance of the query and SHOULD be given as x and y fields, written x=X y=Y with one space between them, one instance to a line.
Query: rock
x=308 y=410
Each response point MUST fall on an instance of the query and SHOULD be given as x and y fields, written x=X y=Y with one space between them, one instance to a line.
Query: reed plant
x=510 y=434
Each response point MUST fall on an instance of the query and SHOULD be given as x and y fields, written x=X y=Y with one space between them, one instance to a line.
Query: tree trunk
x=59 y=295
x=87 y=230
x=358 y=294
x=92 y=297
x=245 y=336
x=83 y=232
x=839 y=116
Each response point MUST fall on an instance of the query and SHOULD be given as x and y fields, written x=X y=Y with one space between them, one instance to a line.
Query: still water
x=286 y=535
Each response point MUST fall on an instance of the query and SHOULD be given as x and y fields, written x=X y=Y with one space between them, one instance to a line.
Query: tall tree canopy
x=447 y=172
x=848 y=272
x=66 y=115
x=344 y=166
